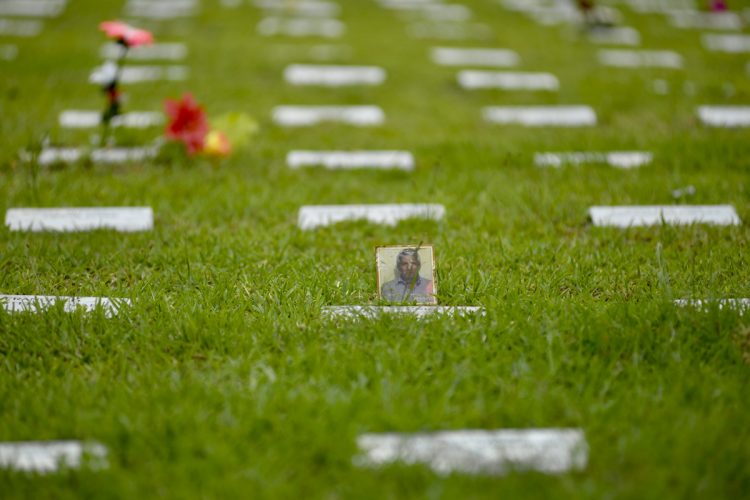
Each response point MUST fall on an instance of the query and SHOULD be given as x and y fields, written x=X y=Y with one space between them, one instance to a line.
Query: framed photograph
x=406 y=274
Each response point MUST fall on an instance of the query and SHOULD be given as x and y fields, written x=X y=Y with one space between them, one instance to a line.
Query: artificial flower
x=187 y=123
x=719 y=5
x=237 y=127
x=125 y=34
x=217 y=144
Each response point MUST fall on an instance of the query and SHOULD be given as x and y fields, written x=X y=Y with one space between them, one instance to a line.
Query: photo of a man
x=412 y=281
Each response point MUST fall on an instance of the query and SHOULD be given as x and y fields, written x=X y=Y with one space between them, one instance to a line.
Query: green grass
x=223 y=381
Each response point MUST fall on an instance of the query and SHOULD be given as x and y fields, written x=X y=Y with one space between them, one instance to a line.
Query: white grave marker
x=733 y=44
x=687 y=19
x=506 y=80
x=724 y=116
x=374 y=312
x=652 y=215
x=123 y=219
x=619 y=159
x=28 y=8
x=76 y=118
x=51 y=155
x=301 y=116
x=301 y=27
x=351 y=160
x=22 y=28
x=623 y=58
x=102 y=75
x=624 y=35
x=333 y=76
x=301 y=8
x=48 y=456
x=155 y=52
x=171 y=9
x=490 y=452
x=540 y=116
x=449 y=56
x=444 y=30
x=314 y=216
x=39 y=303
x=740 y=305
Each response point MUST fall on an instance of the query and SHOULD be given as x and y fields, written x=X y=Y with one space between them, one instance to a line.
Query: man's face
x=408 y=268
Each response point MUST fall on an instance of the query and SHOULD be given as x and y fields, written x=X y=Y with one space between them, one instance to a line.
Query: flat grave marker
x=445 y=30
x=507 y=80
x=374 y=312
x=162 y=10
x=619 y=159
x=302 y=116
x=653 y=215
x=487 y=452
x=173 y=51
x=730 y=43
x=122 y=219
x=694 y=19
x=301 y=27
x=351 y=160
x=20 y=28
x=624 y=58
x=139 y=74
x=623 y=35
x=741 y=305
x=27 y=8
x=44 y=457
x=300 y=8
x=104 y=156
x=315 y=216
x=333 y=76
x=450 y=56
x=724 y=116
x=78 y=118
x=541 y=116
x=40 y=303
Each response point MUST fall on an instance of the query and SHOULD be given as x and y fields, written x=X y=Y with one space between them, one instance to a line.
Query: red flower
x=187 y=123
x=125 y=34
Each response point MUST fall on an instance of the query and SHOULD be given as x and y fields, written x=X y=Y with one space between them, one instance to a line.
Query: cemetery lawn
x=223 y=381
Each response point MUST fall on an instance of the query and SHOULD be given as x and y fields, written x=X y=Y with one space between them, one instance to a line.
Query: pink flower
x=719 y=5
x=125 y=34
x=187 y=123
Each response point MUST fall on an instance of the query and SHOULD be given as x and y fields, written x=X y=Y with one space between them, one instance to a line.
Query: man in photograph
x=408 y=286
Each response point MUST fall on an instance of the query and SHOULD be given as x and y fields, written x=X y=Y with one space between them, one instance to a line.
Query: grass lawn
x=223 y=381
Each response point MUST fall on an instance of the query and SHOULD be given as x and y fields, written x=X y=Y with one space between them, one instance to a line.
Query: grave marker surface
x=161 y=10
x=122 y=219
x=20 y=28
x=27 y=8
x=351 y=160
x=374 y=312
x=652 y=215
x=300 y=8
x=506 y=80
x=158 y=51
x=733 y=44
x=741 y=305
x=450 y=56
x=724 y=116
x=105 y=156
x=48 y=456
x=618 y=159
x=624 y=58
x=333 y=76
x=301 y=116
x=315 y=216
x=77 y=118
x=491 y=452
x=101 y=75
x=694 y=19
x=301 y=27
x=40 y=303
x=541 y=116
x=623 y=35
